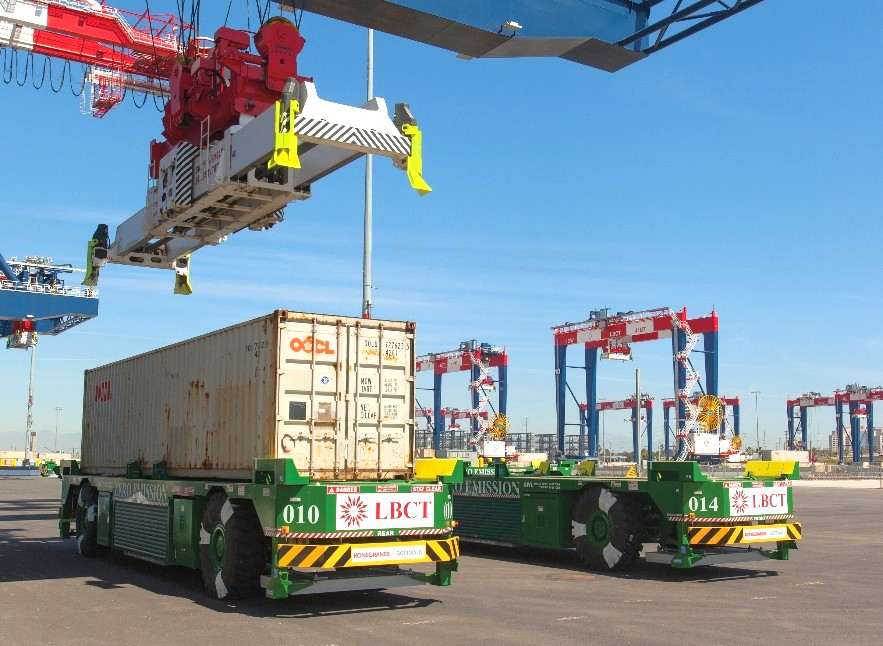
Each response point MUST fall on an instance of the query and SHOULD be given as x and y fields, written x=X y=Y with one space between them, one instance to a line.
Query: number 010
x=698 y=503
x=291 y=512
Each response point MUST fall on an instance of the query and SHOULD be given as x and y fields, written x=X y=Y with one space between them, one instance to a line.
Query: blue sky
x=739 y=169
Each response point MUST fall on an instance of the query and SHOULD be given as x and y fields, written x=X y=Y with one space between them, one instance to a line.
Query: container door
x=380 y=365
x=312 y=398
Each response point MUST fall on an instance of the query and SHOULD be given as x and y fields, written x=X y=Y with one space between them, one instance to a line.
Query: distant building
x=834 y=440
x=847 y=439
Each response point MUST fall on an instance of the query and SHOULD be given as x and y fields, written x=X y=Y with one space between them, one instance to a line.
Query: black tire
x=607 y=529
x=232 y=548
x=87 y=522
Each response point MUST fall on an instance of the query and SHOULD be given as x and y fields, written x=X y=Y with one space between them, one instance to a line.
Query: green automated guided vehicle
x=693 y=519
x=277 y=456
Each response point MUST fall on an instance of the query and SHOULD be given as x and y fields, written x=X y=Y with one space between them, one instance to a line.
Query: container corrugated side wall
x=346 y=397
x=206 y=406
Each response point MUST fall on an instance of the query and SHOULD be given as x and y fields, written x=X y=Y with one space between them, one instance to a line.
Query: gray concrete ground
x=829 y=593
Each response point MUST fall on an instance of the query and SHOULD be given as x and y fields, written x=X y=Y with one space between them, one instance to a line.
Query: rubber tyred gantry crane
x=614 y=335
x=230 y=161
x=453 y=437
x=478 y=358
x=626 y=404
x=859 y=401
x=799 y=424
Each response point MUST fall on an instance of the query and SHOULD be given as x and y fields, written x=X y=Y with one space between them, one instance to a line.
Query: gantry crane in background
x=859 y=401
x=454 y=436
x=613 y=335
x=478 y=359
x=798 y=424
x=624 y=404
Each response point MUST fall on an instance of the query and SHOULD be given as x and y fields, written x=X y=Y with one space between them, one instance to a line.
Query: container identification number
x=291 y=512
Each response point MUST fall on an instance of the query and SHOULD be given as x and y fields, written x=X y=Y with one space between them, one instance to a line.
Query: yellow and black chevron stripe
x=744 y=534
x=365 y=554
x=443 y=550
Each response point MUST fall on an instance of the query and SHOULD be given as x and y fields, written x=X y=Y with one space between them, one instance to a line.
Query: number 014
x=699 y=503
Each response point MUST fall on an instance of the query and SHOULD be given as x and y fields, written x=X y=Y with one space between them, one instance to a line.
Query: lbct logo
x=102 y=392
x=739 y=501
x=308 y=345
x=353 y=511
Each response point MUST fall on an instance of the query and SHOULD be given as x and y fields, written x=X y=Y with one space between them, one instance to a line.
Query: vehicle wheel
x=232 y=548
x=87 y=522
x=607 y=529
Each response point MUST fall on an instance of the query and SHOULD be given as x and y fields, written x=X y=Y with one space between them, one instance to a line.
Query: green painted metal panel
x=104 y=518
x=546 y=520
x=143 y=529
x=186 y=519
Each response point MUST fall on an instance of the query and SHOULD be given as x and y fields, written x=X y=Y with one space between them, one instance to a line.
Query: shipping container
x=334 y=394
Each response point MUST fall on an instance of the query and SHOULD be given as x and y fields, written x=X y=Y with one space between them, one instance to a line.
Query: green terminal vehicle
x=277 y=456
x=693 y=519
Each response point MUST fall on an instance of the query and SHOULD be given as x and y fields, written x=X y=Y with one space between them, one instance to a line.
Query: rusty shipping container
x=333 y=393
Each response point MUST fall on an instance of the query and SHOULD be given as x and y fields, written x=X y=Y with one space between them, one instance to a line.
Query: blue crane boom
x=605 y=34
x=35 y=300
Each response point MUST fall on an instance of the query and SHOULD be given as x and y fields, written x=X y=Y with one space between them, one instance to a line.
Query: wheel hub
x=598 y=529
x=218 y=546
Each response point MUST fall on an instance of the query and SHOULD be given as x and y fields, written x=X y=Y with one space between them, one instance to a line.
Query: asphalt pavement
x=830 y=592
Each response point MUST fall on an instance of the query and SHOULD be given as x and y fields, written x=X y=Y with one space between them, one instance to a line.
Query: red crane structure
x=124 y=50
x=621 y=404
x=478 y=359
x=614 y=335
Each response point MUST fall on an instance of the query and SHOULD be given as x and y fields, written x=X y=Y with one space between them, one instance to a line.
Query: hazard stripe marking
x=743 y=534
x=183 y=175
x=363 y=137
x=437 y=552
x=686 y=518
x=331 y=556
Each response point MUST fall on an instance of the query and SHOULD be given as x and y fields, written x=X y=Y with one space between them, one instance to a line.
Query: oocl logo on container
x=312 y=346
x=102 y=392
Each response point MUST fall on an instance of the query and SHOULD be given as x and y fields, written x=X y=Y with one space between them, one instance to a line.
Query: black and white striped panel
x=183 y=192
x=363 y=137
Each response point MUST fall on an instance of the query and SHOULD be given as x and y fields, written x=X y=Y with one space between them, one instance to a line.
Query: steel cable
x=34 y=74
x=24 y=81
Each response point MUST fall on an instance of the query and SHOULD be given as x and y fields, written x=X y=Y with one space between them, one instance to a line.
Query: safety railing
x=55 y=290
